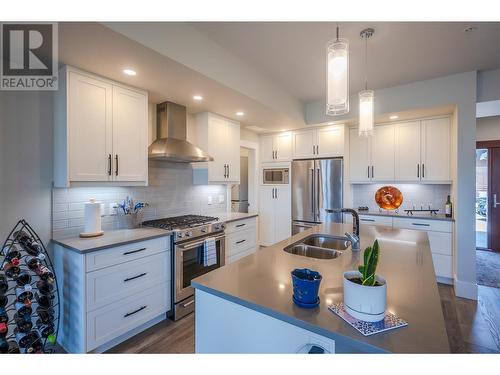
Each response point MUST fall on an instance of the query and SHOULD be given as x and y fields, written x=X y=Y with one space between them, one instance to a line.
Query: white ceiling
x=293 y=53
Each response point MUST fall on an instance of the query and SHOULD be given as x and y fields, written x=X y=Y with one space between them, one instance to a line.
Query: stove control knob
x=189 y=234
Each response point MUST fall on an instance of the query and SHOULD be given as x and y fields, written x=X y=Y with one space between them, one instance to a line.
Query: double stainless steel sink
x=319 y=246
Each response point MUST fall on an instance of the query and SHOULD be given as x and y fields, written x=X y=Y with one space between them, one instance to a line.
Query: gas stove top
x=188 y=226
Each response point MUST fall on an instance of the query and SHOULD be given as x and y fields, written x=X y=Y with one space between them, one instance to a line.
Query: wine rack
x=29 y=298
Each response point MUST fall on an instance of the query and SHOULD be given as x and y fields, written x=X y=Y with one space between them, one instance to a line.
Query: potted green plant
x=365 y=293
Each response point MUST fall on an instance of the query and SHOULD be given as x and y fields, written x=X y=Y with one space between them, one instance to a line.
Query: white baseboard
x=465 y=289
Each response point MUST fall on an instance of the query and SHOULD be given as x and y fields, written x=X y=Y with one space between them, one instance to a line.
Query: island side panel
x=222 y=326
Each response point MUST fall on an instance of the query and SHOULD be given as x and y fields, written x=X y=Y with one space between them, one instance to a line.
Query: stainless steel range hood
x=171 y=144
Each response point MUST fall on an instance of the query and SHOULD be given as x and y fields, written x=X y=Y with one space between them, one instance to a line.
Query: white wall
x=458 y=90
x=488 y=85
x=26 y=160
x=488 y=129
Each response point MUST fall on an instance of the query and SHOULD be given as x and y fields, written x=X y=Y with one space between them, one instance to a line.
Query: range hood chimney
x=171 y=130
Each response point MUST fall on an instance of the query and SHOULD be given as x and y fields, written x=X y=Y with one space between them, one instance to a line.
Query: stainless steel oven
x=187 y=266
x=276 y=175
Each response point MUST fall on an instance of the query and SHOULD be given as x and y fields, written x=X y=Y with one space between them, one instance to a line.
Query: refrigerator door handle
x=317 y=196
x=312 y=191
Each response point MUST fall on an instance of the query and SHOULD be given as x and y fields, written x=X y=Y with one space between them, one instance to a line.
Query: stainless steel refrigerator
x=316 y=186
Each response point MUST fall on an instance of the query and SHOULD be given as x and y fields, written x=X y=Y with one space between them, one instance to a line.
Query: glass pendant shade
x=337 y=72
x=366 y=113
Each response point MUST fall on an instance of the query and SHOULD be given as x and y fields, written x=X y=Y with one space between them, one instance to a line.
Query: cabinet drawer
x=443 y=265
x=375 y=220
x=112 y=284
x=422 y=224
x=240 y=225
x=440 y=243
x=111 y=321
x=240 y=241
x=126 y=253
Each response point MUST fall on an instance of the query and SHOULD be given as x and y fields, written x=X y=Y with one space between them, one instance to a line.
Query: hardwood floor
x=472 y=327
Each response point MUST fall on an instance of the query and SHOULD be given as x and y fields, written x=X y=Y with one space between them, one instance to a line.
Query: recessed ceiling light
x=239 y=113
x=198 y=97
x=394 y=117
x=129 y=72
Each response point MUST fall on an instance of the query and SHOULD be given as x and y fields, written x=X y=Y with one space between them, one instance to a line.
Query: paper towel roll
x=92 y=218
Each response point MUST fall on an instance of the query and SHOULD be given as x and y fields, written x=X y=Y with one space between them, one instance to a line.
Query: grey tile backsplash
x=413 y=195
x=170 y=192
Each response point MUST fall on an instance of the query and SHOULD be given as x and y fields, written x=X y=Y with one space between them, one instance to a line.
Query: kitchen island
x=247 y=306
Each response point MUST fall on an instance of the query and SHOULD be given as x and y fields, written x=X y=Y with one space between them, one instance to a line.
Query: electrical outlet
x=221 y=198
x=209 y=199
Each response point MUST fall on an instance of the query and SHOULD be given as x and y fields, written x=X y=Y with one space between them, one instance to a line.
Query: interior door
x=359 y=157
x=382 y=153
x=302 y=190
x=90 y=128
x=407 y=151
x=130 y=132
x=494 y=201
x=283 y=215
x=328 y=189
x=266 y=215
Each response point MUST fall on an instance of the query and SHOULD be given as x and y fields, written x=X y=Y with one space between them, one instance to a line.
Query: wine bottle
x=28 y=244
x=13 y=347
x=33 y=263
x=45 y=316
x=448 y=208
x=45 y=287
x=3 y=301
x=23 y=279
x=4 y=344
x=24 y=295
x=13 y=253
x=45 y=274
x=44 y=301
x=23 y=323
x=12 y=269
x=4 y=284
x=4 y=318
x=45 y=330
x=23 y=308
x=28 y=341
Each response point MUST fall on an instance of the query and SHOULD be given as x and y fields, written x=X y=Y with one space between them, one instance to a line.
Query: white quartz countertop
x=234 y=216
x=110 y=238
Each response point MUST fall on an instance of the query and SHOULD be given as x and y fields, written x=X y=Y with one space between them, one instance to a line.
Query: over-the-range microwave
x=276 y=175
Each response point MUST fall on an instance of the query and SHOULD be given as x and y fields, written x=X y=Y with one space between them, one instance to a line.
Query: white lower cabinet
x=111 y=294
x=275 y=214
x=241 y=239
x=375 y=220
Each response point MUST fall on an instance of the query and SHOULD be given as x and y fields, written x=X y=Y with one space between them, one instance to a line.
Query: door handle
x=109 y=165
x=372 y=171
x=312 y=191
x=368 y=171
x=272 y=193
x=135 y=311
x=418 y=170
x=317 y=149
x=134 y=251
x=276 y=193
x=188 y=303
x=116 y=161
x=423 y=170
x=135 y=277
x=228 y=171
x=241 y=241
x=317 y=198
x=495 y=203
x=314 y=149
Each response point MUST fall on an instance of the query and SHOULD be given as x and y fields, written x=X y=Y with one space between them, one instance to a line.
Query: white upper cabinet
x=407 y=160
x=130 y=126
x=436 y=150
x=382 y=153
x=100 y=132
x=412 y=151
x=371 y=159
x=220 y=137
x=276 y=147
x=319 y=142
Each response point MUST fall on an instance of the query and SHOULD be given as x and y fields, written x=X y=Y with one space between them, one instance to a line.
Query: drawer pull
x=188 y=303
x=238 y=242
x=421 y=225
x=135 y=277
x=367 y=219
x=134 y=312
x=240 y=225
x=134 y=251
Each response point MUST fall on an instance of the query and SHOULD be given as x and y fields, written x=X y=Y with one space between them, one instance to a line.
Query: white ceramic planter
x=363 y=302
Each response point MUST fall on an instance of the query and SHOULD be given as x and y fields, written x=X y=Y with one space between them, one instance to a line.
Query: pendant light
x=337 y=73
x=366 y=97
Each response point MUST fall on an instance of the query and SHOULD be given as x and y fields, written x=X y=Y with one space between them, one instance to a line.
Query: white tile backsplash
x=170 y=192
x=413 y=195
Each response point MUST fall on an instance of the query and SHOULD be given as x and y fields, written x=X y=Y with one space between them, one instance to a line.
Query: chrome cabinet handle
x=135 y=277
x=116 y=161
x=317 y=149
x=188 y=303
x=418 y=170
x=240 y=225
x=276 y=193
x=423 y=170
x=134 y=251
x=368 y=171
x=109 y=165
x=312 y=191
x=228 y=173
x=314 y=149
x=421 y=225
x=238 y=242
x=366 y=219
x=495 y=203
x=372 y=172
x=135 y=311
